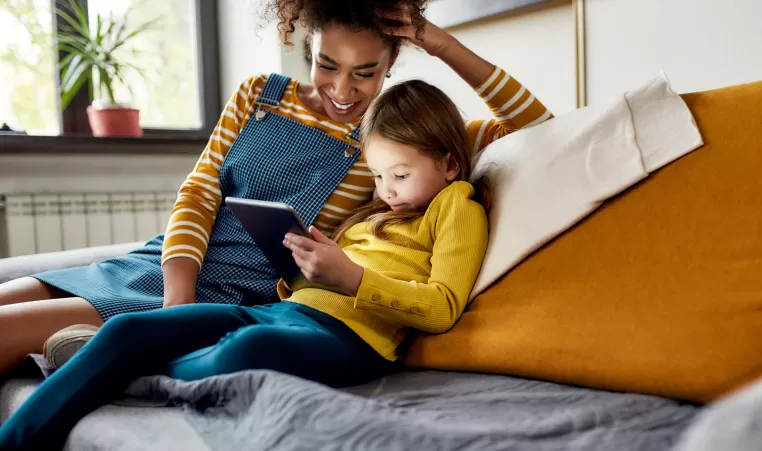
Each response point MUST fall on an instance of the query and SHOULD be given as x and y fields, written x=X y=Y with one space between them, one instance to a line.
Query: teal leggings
x=190 y=342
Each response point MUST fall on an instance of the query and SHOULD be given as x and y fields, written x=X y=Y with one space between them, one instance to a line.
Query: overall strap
x=273 y=90
x=354 y=137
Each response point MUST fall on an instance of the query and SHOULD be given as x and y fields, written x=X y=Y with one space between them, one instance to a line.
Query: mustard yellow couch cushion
x=659 y=291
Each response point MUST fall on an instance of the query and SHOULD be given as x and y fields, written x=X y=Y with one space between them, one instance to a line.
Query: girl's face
x=407 y=179
x=348 y=70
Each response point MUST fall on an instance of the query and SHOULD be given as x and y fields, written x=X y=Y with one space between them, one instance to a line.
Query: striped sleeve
x=513 y=108
x=199 y=198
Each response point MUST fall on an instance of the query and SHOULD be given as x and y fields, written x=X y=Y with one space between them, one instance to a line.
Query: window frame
x=74 y=122
x=209 y=89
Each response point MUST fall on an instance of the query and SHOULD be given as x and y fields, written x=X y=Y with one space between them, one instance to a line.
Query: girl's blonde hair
x=416 y=114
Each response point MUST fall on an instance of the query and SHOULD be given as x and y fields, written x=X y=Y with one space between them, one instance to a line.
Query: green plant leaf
x=97 y=36
x=146 y=26
x=70 y=67
x=75 y=76
x=92 y=54
x=106 y=83
x=73 y=28
x=72 y=50
x=72 y=45
x=77 y=65
x=108 y=38
x=67 y=69
x=76 y=26
x=72 y=39
x=65 y=61
x=120 y=77
x=68 y=96
x=79 y=11
x=90 y=91
x=120 y=32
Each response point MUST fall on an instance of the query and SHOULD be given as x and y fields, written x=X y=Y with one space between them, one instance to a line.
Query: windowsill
x=82 y=144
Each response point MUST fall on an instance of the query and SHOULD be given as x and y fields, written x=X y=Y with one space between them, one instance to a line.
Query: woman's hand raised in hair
x=323 y=261
x=433 y=39
x=436 y=42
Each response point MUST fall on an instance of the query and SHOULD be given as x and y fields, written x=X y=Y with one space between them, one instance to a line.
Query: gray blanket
x=261 y=410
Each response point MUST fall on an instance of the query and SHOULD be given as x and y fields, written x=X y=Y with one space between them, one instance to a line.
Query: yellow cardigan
x=419 y=277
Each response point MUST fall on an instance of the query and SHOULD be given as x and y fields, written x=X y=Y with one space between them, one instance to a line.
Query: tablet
x=268 y=223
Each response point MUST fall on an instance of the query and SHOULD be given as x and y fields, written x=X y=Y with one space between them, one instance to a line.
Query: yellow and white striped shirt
x=200 y=198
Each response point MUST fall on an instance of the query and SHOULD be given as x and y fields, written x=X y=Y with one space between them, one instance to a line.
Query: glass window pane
x=28 y=94
x=168 y=94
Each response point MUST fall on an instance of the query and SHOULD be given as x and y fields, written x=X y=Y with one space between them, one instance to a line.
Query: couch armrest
x=15 y=267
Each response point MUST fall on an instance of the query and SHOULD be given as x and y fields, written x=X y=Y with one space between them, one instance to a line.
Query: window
x=168 y=94
x=178 y=93
x=27 y=61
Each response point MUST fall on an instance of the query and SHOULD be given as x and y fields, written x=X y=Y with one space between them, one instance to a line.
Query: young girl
x=406 y=261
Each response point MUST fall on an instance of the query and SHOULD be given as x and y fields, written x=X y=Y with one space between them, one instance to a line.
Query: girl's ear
x=452 y=168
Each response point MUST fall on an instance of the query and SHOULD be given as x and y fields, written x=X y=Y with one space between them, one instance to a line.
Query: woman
x=428 y=226
x=278 y=140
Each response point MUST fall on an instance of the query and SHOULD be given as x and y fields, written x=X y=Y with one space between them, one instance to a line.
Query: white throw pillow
x=546 y=178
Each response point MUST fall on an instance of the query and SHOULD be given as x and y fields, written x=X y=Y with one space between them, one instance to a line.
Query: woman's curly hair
x=315 y=15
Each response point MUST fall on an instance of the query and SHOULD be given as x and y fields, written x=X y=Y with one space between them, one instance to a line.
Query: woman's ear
x=452 y=168
x=393 y=57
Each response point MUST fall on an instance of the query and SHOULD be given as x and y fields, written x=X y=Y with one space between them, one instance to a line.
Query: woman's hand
x=323 y=261
x=433 y=40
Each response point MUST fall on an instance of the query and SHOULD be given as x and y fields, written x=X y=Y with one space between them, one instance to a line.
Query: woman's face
x=348 y=70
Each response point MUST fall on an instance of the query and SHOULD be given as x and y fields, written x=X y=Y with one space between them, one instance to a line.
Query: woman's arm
x=198 y=201
x=180 y=277
x=512 y=105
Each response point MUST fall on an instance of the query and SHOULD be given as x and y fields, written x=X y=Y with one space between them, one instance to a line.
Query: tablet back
x=267 y=223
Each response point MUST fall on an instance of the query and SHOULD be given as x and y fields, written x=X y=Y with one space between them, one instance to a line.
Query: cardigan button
x=376 y=297
x=395 y=303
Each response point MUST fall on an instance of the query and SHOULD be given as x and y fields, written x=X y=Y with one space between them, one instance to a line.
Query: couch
x=432 y=409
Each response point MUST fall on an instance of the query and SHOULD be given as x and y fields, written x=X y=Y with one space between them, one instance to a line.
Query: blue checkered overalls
x=273 y=159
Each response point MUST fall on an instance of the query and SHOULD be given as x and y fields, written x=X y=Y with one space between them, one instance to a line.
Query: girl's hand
x=323 y=261
x=434 y=40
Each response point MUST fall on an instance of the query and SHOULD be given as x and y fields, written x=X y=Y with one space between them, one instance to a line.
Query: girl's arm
x=433 y=305
x=461 y=235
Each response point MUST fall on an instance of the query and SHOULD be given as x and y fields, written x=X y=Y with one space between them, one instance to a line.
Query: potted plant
x=97 y=56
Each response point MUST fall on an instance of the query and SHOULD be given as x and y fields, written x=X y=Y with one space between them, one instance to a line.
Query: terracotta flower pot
x=114 y=120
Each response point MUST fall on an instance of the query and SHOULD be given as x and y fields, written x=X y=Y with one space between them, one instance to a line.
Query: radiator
x=49 y=222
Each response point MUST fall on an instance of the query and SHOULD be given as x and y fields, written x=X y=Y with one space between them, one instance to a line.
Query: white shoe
x=62 y=345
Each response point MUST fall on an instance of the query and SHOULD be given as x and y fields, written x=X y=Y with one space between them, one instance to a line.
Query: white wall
x=700 y=44
x=292 y=59
x=536 y=47
x=124 y=177
x=87 y=173
x=245 y=50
